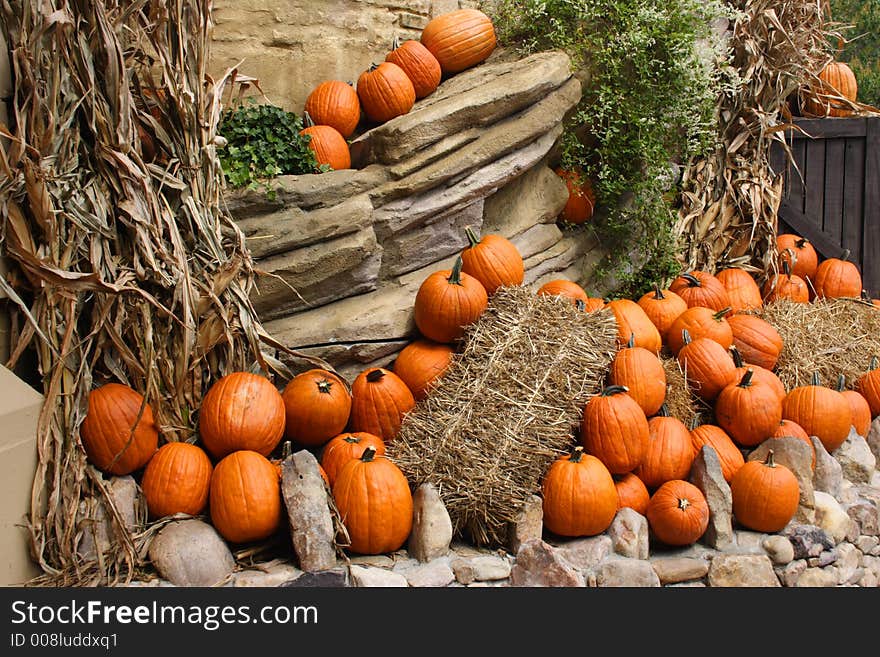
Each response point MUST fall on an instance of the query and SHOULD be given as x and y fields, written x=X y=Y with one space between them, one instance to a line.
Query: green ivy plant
x=653 y=76
x=263 y=141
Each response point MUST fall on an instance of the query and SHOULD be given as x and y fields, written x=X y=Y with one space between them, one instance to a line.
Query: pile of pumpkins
x=449 y=43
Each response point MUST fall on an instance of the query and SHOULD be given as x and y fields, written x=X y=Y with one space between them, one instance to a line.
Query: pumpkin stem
x=576 y=454
x=286 y=449
x=307 y=119
x=375 y=375
x=768 y=461
x=613 y=390
x=395 y=43
x=455 y=276
x=801 y=243
x=664 y=410
x=580 y=305
x=373 y=67
x=875 y=363
x=324 y=386
x=786 y=267
x=737 y=357
x=352 y=439
x=658 y=293
x=721 y=313
x=815 y=379
x=747 y=378
x=692 y=280
x=685 y=336
x=694 y=423
x=845 y=254
x=472 y=237
x=632 y=341
x=368 y=454
x=683 y=503
x=841 y=383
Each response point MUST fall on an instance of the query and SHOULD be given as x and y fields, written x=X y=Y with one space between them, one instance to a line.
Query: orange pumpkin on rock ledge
x=581 y=197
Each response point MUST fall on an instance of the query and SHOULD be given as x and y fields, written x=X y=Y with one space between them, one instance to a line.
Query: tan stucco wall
x=292 y=45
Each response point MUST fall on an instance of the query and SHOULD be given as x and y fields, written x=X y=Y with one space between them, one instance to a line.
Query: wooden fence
x=835 y=200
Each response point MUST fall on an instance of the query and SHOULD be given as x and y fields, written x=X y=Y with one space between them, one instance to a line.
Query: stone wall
x=292 y=45
x=345 y=252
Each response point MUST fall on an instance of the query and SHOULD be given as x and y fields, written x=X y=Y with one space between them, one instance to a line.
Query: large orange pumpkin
x=765 y=495
x=241 y=410
x=245 y=497
x=420 y=66
x=742 y=290
x=374 y=502
x=748 y=411
x=756 y=339
x=346 y=446
x=493 y=260
x=860 y=409
x=317 y=404
x=868 y=385
x=700 y=288
x=448 y=301
x=631 y=492
x=678 y=513
x=459 y=39
x=614 y=429
x=799 y=253
x=633 y=324
x=836 y=80
x=334 y=103
x=579 y=495
x=708 y=366
x=700 y=322
x=838 y=277
x=662 y=307
x=420 y=363
x=729 y=455
x=385 y=92
x=581 y=201
x=328 y=144
x=379 y=400
x=118 y=433
x=821 y=411
x=642 y=373
x=177 y=480
x=670 y=453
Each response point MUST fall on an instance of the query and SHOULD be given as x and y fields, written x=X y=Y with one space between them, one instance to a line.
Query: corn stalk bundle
x=508 y=405
x=730 y=198
x=123 y=265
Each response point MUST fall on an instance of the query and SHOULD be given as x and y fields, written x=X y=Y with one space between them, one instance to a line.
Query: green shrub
x=861 y=30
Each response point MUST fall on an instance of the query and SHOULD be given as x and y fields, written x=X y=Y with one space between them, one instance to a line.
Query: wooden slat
x=814 y=182
x=853 y=196
x=795 y=197
x=830 y=128
x=870 y=261
x=800 y=225
x=832 y=215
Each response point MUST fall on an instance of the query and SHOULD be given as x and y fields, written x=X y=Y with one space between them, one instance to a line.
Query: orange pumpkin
x=631 y=492
x=328 y=145
x=868 y=385
x=799 y=253
x=581 y=201
x=821 y=411
x=563 y=288
x=859 y=408
x=118 y=433
x=579 y=496
x=241 y=410
x=670 y=453
x=177 y=480
x=789 y=429
x=836 y=80
x=459 y=39
x=346 y=446
x=765 y=495
x=334 y=103
x=448 y=301
x=707 y=365
x=742 y=290
x=756 y=339
x=245 y=497
x=786 y=286
x=632 y=322
x=317 y=404
x=379 y=401
x=678 y=513
x=420 y=363
x=838 y=277
x=642 y=373
x=700 y=322
x=729 y=455
x=662 y=307
x=374 y=502
x=420 y=66
x=759 y=374
x=492 y=260
x=385 y=92
x=748 y=411
x=700 y=288
x=614 y=429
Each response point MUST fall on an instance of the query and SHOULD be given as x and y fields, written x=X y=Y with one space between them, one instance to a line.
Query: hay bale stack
x=680 y=401
x=831 y=337
x=509 y=404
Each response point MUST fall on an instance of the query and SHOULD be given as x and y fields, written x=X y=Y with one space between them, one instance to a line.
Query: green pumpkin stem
x=768 y=460
x=683 y=503
x=324 y=386
x=685 y=336
x=576 y=454
x=375 y=375
x=786 y=268
x=308 y=120
x=737 y=356
x=368 y=454
x=721 y=314
x=286 y=449
x=352 y=439
x=845 y=254
x=613 y=390
x=875 y=363
x=815 y=379
x=395 y=42
x=455 y=276
x=664 y=410
x=692 y=280
x=694 y=423
x=658 y=293
x=632 y=341
x=580 y=304
x=841 y=383
x=801 y=243
x=746 y=381
x=472 y=237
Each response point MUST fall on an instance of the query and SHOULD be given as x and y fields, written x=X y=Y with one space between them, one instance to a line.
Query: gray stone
x=794 y=454
x=127 y=498
x=869 y=580
x=808 y=540
x=266 y=574
x=816 y=577
x=742 y=570
x=464 y=571
x=828 y=475
x=431 y=531
x=856 y=458
x=480 y=568
x=436 y=573
x=867 y=543
x=560 y=255
x=629 y=534
x=585 y=553
x=191 y=553
x=831 y=517
x=673 y=570
x=625 y=572
x=350 y=359
x=541 y=565
x=318 y=274
x=308 y=512
x=333 y=578
x=866 y=514
x=791 y=572
x=707 y=476
x=528 y=525
x=873 y=438
x=826 y=558
x=535 y=240
x=375 y=560
x=372 y=577
x=438 y=238
x=779 y=549
x=848 y=564
x=748 y=542
x=536 y=197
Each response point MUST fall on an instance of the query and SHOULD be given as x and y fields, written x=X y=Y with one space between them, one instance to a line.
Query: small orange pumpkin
x=493 y=260
x=177 y=480
x=765 y=495
x=374 y=502
x=786 y=286
x=459 y=39
x=799 y=253
x=448 y=301
x=748 y=411
x=756 y=339
x=707 y=365
x=858 y=406
x=419 y=64
x=581 y=201
x=759 y=374
x=579 y=495
x=821 y=411
x=245 y=497
x=328 y=144
x=379 y=401
x=385 y=92
x=118 y=433
x=836 y=79
x=564 y=288
x=700 y=322
x=742 y=290
x=838 y=277
x=632 y=322
x=346 y=446
x=422 y=362
x=670 y=453
x=678 y=513
x=643 y=375
x=334 y=103
x=700 y=288
x=631 y=492
x=614 y=429
x=868 y=385
x=317 y=404
x=662 y=307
